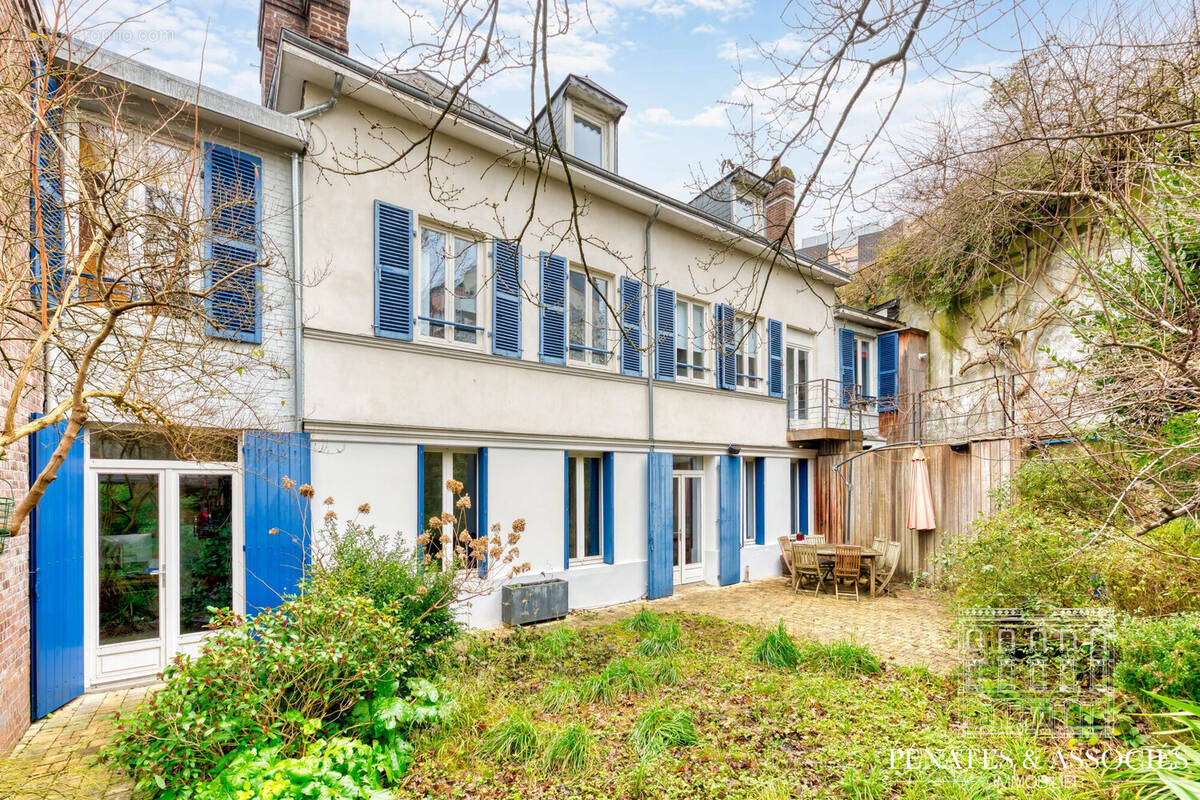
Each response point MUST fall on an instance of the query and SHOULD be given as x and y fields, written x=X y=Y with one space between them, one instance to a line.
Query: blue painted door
x=56 y=545
x=729 y=520
x=660 y=536
x=277 y=519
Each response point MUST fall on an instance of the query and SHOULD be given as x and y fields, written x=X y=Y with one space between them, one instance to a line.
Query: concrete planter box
x=537 y=601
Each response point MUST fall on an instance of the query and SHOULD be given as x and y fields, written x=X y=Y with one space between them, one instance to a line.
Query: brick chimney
x=779 y=205
x=323 y=21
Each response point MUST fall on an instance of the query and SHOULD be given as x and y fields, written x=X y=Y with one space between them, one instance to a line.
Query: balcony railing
x=829 y=404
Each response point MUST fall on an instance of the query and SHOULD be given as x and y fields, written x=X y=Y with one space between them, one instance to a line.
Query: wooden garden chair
x=815 y=539
x=891 y=559
x=785 y=553
x=847 y=565
x=806 y=563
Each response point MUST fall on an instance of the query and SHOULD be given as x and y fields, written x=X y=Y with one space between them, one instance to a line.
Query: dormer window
x=746 y=214
x=589 y=140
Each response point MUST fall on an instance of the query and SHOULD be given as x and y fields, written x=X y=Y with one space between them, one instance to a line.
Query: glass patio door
x=689 y=551
x=165 y=555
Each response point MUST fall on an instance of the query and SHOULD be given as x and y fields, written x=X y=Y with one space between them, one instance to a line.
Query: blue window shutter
x=553 y=298
x=774 y=358
x=846 y=364
x=233 y=202
x=729 y=520
x=607 y=483
x=631 y=326
x=664 y=334
x=47 y=210
x=56 y=554
x=659 y=536
x=393 y=271
x=276 y=519
x=887 y=347
x=506 y=298
x=801 y=488
x=481 y=506
x=567 y=489
x=420 y=501
x=760 y=500
x=726 y=347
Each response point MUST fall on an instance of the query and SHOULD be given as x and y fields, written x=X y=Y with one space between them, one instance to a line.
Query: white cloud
x=711 y=117
x=706 y=29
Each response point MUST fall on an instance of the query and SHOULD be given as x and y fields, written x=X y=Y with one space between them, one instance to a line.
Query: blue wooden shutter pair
x=630 y=295
x=760 y=500
x=887 y=354
x=47 y=212
x=660 y=537
x=506 y=298
x=729 y=519
x=393 y=271
x=56 y=553
x=664 y=334
x=846 y=364
x=233 y=200
x=276 y=519
x=726 y=347
x=553 y=349
x=774 y=358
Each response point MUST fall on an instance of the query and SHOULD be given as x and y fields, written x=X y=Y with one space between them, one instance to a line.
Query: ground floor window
x=440 y=466
x=799 y=496
x=750 y=477
x=585 y=506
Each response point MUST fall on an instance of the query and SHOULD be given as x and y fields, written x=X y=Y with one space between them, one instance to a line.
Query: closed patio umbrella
x=920 y=499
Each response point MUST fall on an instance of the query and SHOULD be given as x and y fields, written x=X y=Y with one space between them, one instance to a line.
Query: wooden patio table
x=869 y=557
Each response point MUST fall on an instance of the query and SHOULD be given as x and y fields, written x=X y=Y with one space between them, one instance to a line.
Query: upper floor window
x=796 y=368
x=863 y=367
x=746 y=214
x=588 y=138
x=689 y=339
x=746 y=337
x=450 y=287
x=587 y=331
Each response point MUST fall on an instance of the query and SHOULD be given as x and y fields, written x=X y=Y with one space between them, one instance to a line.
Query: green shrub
x=570 y=748
x=663 y=641
x=659 y=728
x=842 y=658
x=363 y=562
x=644 y=621
x=261 y=683
x=513 y=737
x=776 y=649
x=1161 y=656
x=335 y=769
x=1179 y=776
x=556 y=645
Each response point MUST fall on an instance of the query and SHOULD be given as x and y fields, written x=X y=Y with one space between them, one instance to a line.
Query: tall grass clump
x=663 y=641
x=570 y=748
x=559 y=695
x=776 y=649
x=513 y=737
x=556 y=645
x=663 y=671
x=841 y=658
x=660 y=728
x=644 y=621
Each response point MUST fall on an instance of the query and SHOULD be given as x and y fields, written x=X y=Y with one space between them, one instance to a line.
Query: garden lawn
x=681 y=709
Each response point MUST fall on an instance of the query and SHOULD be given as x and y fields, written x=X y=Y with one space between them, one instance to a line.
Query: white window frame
x=860 y=341
x=749 y=487
x=742 y=341
x=579 y=459
x=610 y=336
x=794 y=342
x=571 y=110
x=448 y=499
x=481 y=306
x=756 y=225
x=693 y=341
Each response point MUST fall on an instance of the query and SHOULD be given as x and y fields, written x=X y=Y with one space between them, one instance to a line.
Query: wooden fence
x=964 y=484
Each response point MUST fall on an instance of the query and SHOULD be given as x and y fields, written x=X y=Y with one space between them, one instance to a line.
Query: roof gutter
x=321 y=108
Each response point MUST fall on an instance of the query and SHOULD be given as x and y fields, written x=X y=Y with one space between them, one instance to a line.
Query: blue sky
x=671 y=61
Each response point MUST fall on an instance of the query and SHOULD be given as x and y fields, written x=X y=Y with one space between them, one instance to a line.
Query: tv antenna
x=745 y=139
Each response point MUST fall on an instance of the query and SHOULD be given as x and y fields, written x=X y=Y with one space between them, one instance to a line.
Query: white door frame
x=688 y=572
x=169 y=641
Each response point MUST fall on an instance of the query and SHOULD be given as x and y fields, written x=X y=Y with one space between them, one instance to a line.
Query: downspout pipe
x=321 y=108
x=297 y=293
x=650 y=330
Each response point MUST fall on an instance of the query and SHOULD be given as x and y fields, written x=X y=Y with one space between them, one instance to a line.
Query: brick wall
x=780 y=205
x=323 y=21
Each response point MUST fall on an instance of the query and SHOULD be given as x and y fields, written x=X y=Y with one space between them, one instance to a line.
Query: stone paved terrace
x=56 y=759
x=910 y=627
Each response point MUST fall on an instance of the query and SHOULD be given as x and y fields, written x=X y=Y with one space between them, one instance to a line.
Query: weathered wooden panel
x=963 y=484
